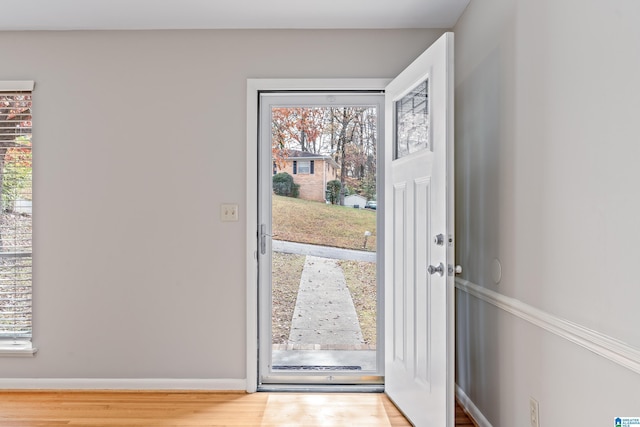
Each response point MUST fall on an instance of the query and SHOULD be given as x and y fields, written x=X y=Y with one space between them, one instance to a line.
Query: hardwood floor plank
x=395 y=416
x=197 y=409
x=461 y=417
x=325 y=409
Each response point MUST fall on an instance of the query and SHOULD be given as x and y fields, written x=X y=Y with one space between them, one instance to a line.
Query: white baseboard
x=471 y=409
x=596 y=342
x=123 y=384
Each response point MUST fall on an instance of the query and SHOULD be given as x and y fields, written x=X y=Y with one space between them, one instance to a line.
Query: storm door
x=319 y=267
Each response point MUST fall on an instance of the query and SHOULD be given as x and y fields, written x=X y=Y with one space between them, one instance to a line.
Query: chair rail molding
x=596 y=342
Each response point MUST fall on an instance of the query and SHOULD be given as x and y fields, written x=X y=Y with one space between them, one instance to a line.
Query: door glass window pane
x=323 y=327
x=412 y=121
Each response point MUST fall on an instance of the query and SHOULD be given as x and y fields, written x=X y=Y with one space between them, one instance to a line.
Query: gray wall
x=139 y=136
x=547 y=106
x=138 y=139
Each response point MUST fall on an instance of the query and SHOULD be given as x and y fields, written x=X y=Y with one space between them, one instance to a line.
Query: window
x=412 y=121
x=303 y=167
x=15 y=217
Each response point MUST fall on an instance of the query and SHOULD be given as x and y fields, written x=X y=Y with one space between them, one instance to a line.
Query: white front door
x=419 y=253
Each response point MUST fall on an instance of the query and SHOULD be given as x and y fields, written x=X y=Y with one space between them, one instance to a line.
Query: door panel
x=421 y=289
x=419 y=272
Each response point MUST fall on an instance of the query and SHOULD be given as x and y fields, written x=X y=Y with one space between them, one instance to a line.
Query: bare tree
x=347 y=134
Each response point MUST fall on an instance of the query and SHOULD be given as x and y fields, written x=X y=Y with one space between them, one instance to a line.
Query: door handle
x=439 y=269
x=263 y=239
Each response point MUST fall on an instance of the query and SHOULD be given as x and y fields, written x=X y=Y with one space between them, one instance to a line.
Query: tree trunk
x=342 y=146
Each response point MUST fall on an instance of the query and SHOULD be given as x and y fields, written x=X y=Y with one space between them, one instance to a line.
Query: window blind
x=17 y=213
x=304 y=167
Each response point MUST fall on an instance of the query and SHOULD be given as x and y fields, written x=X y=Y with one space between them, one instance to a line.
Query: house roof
x=306 y=155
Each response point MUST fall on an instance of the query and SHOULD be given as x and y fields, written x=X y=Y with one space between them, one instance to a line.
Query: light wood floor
x=187 y=409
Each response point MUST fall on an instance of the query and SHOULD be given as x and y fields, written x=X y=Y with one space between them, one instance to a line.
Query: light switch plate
x=228 y=212
x=534 y=414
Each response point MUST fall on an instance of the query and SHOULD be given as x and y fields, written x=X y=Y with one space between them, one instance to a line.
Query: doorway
x=319 y=293
x=418 y=378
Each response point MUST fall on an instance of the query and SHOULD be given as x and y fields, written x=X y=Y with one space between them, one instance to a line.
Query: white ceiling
x=206 y=14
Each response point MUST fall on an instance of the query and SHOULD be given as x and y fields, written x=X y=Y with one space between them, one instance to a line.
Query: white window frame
x=20 y=347
x=304 y=167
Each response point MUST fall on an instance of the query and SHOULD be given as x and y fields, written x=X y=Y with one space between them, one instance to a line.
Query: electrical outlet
x=534 y=414
x=228 y=212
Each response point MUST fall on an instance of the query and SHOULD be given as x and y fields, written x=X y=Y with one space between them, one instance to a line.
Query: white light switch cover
x=228 y=212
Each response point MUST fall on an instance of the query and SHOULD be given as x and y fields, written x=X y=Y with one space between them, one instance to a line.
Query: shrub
x=283 y=185
x=333 y=191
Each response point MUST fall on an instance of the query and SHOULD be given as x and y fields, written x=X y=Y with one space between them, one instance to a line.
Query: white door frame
x=254 y=87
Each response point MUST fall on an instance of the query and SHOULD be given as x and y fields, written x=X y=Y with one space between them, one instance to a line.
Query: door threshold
x=322 y=388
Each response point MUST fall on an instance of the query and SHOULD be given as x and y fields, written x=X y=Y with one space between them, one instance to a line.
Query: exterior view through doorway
x=319 y=267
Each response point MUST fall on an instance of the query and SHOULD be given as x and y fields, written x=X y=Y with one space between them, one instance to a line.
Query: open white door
x=419 y=225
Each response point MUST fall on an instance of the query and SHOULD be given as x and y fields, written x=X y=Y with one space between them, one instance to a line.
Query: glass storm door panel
x=319 y=293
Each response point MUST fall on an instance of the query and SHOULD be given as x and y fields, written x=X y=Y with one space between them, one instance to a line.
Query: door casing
x=268 y=379
x=254 y=87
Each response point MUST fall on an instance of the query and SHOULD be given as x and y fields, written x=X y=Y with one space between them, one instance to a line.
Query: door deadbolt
x=454 y=270
x=439 y=239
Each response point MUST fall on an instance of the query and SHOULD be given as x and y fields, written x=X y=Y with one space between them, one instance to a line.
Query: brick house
x=311 y=171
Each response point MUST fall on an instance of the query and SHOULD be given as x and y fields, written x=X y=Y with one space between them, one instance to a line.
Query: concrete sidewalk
x=325 y=331
x=322 y=251
x=324 y=313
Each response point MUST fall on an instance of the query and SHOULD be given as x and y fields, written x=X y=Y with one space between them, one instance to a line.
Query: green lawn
x=361 y=281
x=303 y=221
x=286 y=273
